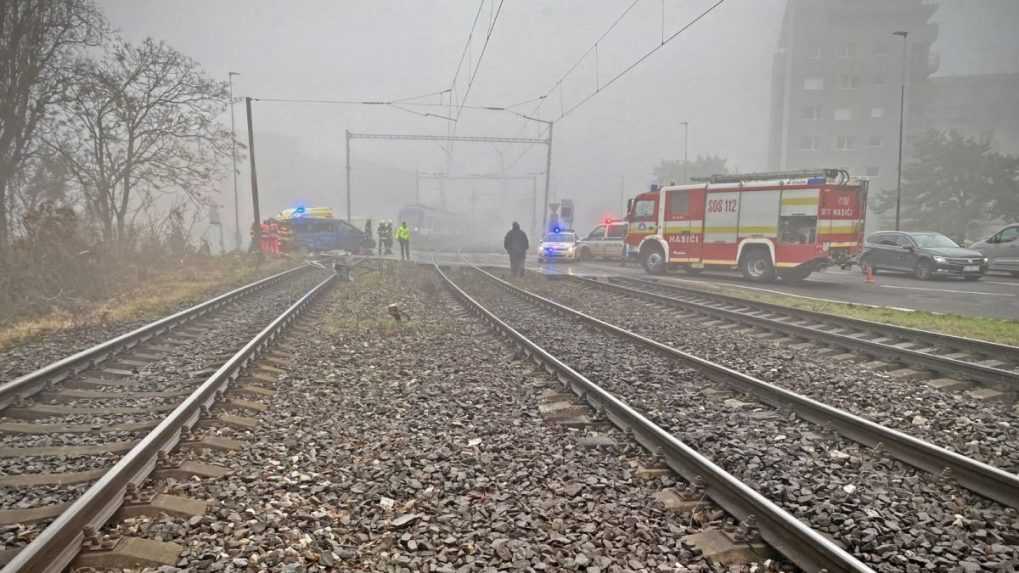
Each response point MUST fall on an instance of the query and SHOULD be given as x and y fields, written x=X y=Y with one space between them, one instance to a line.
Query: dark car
x=925 y=255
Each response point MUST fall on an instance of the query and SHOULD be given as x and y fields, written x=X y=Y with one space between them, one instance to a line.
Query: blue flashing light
x=555 y=229
x=816 y=180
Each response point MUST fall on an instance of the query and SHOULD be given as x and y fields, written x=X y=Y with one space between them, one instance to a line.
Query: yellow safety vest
x=403 y=233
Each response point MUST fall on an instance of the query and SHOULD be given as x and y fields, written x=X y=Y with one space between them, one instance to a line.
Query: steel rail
x=982 y=478
x=58 y=544
x=791 y=537
x=29 y=384
x=1006 y=380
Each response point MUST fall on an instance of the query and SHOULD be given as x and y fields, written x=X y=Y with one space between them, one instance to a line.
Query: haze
x=717 y=76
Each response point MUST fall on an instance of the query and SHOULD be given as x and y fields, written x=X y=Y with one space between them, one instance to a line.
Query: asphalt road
x=995 y=296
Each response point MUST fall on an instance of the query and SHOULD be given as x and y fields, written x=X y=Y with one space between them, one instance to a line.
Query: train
x=434 y=229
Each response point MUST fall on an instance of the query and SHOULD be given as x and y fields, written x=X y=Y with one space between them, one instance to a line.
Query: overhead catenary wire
x=544 y=97
x=467 y=45
x=481 y=56
x=641 y=59
x=665 y=40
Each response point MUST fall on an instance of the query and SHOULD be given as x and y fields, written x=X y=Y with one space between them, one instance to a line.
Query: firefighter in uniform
x=403 y=235
x=384 y=233
x=389 y=237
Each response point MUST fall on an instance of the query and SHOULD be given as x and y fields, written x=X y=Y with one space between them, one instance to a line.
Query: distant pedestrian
x=516 y=245
x=403 y=235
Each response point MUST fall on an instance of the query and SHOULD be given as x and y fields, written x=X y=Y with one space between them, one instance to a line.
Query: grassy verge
x=983 y=328
x=157 y=296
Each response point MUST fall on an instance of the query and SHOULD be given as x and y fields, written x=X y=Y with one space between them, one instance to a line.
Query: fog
x=716 y=76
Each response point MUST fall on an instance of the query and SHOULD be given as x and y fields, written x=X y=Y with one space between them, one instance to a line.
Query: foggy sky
x=716 y=76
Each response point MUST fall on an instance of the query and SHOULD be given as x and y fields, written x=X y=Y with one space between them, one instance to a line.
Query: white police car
x=558 y=245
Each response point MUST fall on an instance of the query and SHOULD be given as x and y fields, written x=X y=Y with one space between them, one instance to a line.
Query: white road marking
x=950 y=290
x=1015 y=284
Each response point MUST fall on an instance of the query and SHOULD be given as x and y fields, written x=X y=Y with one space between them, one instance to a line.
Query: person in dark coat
x=516 y=245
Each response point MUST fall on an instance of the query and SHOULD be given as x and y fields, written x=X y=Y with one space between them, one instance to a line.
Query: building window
x=843 y=114
x=848 y=51
x=813 y=84
x=810 y=142
x=814 y=53
x=845 y=142
x=877 y=112
x=875 y=141
x=812 y=111
x=849 y=81
x=873 y=171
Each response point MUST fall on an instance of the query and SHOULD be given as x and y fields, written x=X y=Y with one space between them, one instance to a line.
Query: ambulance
x=768 y=225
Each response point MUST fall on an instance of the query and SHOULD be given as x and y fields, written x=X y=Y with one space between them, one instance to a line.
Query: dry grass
x=360 y=308
x=158 y=295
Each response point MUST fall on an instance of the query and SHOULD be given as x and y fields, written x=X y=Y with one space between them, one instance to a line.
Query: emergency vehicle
x=785 y=224
x=313 y=229
x=604 y=241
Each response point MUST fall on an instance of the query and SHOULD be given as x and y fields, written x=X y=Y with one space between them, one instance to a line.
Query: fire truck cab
x=768 y=225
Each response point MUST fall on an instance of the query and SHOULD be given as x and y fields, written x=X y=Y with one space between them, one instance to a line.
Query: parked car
x=558 y=246
x=1001 y=250
x=925 y=255
x=603 y=242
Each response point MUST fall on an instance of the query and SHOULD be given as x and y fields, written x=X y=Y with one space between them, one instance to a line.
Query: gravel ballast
x=985 y=431
x=888 y=514
x=418 y=446
x=181 y=369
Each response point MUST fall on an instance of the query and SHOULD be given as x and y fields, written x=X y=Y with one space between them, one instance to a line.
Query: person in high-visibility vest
x=403 y=235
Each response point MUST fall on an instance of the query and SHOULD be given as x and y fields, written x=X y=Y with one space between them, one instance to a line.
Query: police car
x=558 y=245
x=604 y=242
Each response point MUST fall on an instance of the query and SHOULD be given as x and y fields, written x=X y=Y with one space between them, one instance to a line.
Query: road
x=995 y=296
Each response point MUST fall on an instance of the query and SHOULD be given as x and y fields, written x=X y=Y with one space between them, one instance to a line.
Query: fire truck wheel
x=924 y=270
x=653 y=261
x=756 y=266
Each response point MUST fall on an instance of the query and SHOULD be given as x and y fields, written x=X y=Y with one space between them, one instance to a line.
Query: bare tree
x=39 y=41
x=141 y=120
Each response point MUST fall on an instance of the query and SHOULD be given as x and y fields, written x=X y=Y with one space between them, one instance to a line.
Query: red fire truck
x=785 y=224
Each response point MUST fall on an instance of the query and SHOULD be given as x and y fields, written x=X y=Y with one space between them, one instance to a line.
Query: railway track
x=946 y=362
x=801 y=544
x=653 y=386
x=81 y=435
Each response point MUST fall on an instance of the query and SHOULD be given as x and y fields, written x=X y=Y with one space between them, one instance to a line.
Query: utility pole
x=257 y=229
x=902 y=119
x=233 y=144
x=548 y=176
x=622 y=194
x=347 y=175
x=534 y=206
x=686 y=149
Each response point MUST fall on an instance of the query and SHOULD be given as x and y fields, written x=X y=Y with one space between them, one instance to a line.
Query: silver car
x=1001 y=250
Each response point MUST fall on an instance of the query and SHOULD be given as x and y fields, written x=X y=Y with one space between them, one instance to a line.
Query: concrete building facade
x=836 y=84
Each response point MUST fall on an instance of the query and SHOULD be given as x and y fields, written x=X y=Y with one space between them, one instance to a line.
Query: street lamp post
x=233 y=143
x=686 y=148
x=902 y=119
